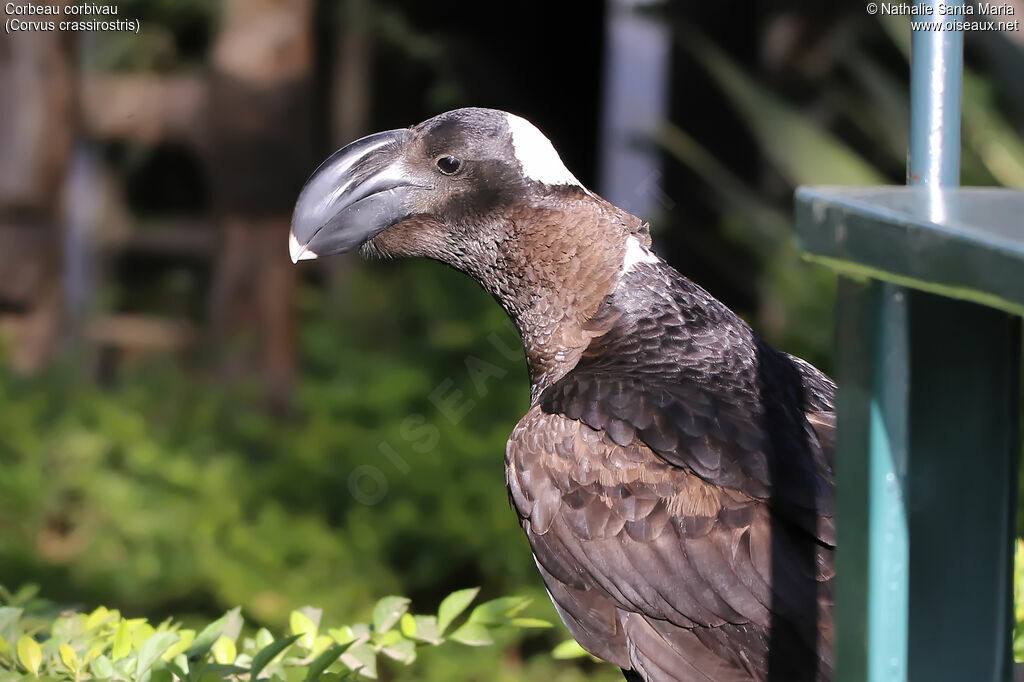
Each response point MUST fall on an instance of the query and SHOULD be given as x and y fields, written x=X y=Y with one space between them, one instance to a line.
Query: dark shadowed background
x=189 y=422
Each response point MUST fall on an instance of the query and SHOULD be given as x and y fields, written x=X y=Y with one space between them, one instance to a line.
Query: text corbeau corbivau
x=24 y=17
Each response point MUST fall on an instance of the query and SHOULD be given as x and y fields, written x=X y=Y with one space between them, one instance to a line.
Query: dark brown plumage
x=674 y=472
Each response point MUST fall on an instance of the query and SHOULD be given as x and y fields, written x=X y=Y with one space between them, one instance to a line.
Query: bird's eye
x=449 y=165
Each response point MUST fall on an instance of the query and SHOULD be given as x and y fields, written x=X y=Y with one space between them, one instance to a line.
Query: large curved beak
x=356 y=193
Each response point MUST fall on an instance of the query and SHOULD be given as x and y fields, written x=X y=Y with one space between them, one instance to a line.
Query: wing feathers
x=696 y=573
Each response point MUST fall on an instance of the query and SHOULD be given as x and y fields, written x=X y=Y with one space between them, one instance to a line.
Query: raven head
x=432 y=190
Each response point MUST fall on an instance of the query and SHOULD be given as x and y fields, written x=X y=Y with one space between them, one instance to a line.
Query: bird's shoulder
x=673 y=369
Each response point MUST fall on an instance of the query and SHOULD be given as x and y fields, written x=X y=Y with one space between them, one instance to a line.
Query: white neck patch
x=636 y=253
x=536 y=155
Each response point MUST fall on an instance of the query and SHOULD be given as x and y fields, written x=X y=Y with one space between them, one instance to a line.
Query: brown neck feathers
x=551 y=269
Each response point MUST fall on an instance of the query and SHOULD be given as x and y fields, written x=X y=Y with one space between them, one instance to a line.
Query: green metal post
x=928 y=444
x=872 y=592
x=962 y=417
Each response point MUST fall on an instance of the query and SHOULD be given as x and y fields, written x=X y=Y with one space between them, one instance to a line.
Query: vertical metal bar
x=929 y=441
x=889 y=543
x=963 y=448
x=936 y=83
x=873 y=549
x=882 y=404
x=634 y=106
x=933 y=161
x=961 y=415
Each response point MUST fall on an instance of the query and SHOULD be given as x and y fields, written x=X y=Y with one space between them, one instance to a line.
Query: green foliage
x=38 y=642
x=165 y=494
x=802 y=150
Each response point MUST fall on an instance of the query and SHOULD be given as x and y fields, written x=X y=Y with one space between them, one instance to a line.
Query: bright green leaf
x=498 y=611
x=315 y=615
x=152 y=649
x=9 y=615
x=303 y=626
x=178 y=665
x=30 y=654
x=408 y=625
x=264 y=638
x=97 y=618
x=342 y=635
x=205 y=639
x=403 y=650
x=185 y=639
x=68 y=656
x=320 y=644
x=426 y=629
x=325 y=659
x=388 y=638
x=268 y=654
x=101 y=667
x=122 y=641
x=472 y=634
x=141 y=632
x=453 y=605
x=362 y=657
x=224 y=651
x=387 y=612
x=528 y=623
x=570 y=648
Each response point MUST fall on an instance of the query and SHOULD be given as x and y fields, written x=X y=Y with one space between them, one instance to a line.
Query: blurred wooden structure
x=248 y=121
x=36 y=140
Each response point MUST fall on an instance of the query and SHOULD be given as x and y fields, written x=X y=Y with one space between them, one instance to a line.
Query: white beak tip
x=298 y=251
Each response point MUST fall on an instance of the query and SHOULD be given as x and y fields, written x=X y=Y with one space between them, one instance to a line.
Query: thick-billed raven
x=674 y=473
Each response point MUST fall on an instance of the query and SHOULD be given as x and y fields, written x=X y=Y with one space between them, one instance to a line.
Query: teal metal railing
x=928 y=352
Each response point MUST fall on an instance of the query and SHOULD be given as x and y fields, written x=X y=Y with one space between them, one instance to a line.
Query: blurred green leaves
x=37 y=642
x=848 y=125
x=454 y=604
x=168 y=494
x=803 y=151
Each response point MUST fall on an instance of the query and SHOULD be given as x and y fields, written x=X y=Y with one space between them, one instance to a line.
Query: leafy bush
x=102 y=644
x=165 y=494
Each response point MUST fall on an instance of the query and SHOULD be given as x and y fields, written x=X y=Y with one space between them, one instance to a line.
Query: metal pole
x=959 y=512
x=933 y=161
x=634 y=106
x=936 y=80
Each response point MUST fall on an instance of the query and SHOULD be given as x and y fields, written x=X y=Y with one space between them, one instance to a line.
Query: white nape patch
x=298 y=251
x=536 y=155
x=636 y=253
